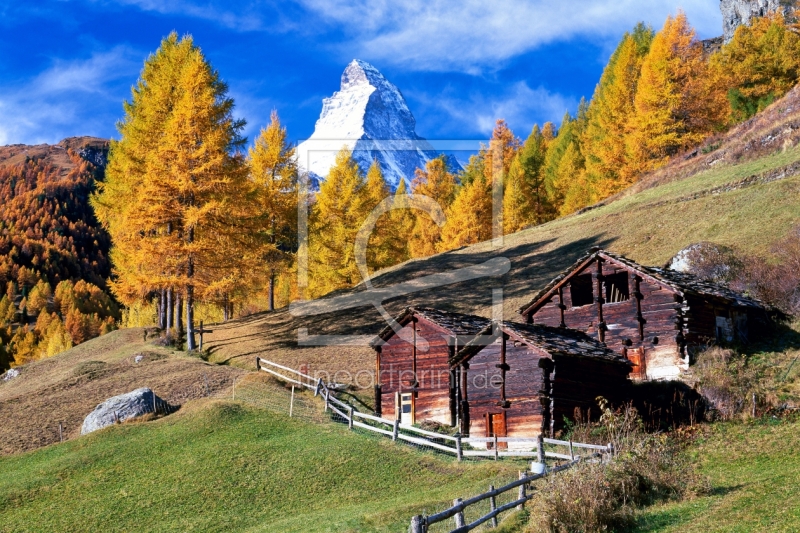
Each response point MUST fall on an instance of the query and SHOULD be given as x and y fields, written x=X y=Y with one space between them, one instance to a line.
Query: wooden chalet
x=657 y=318
x=522 y=380
x=414 y=381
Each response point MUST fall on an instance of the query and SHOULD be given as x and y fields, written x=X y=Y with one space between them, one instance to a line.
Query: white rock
x=11 y=374
x=120 y=408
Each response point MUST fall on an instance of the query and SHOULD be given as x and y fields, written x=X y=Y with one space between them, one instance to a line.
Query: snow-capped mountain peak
x=369 y=115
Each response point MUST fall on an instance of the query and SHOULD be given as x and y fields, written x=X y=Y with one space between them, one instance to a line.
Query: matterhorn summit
x=368 y=115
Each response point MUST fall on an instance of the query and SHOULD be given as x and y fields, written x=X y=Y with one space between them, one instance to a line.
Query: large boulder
x=121 y=408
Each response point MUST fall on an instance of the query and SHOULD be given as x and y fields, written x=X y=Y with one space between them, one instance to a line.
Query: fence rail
x=420 y=524
x=414 y=435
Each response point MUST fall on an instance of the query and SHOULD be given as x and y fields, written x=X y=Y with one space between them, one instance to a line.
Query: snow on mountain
x=369 y=115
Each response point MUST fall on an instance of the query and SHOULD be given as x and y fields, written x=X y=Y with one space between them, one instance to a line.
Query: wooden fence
x=420 y=524
x=456 y=445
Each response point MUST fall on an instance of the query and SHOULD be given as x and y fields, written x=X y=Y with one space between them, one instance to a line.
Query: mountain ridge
x=368 y=115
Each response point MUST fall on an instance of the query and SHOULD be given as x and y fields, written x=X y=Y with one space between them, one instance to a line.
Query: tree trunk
x=169 y=309
x=162 y=310
x=190 y=344
x=178 y=320
x=225 y=308
x=271 y=293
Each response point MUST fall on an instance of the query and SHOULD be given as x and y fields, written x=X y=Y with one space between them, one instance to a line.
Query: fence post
x=493 y=505
x=350 y=420
x=258 y=363
x=571 y=451
x=522 y=494
x=394 y=430
x=459 y=516
x=325 y=394
x=155 y=412
x=417 y=525
x=291 y=403
x=318 y=387
x=458 y=447
x=610 y=451
x=495 y=448
x=61 y=431
x=540 y=448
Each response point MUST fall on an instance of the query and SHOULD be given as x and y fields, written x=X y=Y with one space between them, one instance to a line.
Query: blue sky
x=66 y=66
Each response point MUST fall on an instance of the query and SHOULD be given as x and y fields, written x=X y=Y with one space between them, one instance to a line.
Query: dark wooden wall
x=524 y=384
x=577 y=382
x=660 y=319
x=433 y=394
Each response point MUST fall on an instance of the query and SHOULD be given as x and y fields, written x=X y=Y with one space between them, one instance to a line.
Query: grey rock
x=120 y=408
x=11 y=374
x=738 y=12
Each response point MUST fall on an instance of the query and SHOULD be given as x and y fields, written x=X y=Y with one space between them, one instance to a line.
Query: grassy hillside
x=67 y=387
x=740 y=190
x=224 y=466
x=754 y=470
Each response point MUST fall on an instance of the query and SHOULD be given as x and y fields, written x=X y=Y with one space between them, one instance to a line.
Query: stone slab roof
x=553 y=340
x=680 y=282
x=457 y=324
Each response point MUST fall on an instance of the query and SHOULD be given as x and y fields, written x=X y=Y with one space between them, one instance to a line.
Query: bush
x=602 y=497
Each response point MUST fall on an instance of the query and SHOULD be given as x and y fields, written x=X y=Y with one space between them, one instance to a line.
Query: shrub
x=602 y=497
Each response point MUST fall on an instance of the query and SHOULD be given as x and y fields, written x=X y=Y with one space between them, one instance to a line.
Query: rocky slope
x=738 y=12
x=368 y=115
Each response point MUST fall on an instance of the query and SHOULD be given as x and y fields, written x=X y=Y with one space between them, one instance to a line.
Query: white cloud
x=474 y=35
x=242 y=19
x=64 y=100
x=519 y=104
x=440 y=35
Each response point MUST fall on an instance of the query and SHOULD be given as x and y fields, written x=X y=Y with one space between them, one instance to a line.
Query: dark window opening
x=580 y=290
x=617 y=289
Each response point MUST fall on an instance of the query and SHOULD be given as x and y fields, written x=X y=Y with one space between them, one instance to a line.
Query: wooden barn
x=657 y=318
x=414 y=381
x=522 y=380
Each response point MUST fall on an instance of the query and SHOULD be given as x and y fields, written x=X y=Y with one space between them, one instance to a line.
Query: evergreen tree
x=469 y=218
x=517 y=200
x=532 y=158
x=400 y=227
x=273 y=170
x=610 y=111
x=177 y=184
x=674 y=106
x=336 y=217
x=564 y=161
x=378 y=249
x=758 y=66
x=437 y=183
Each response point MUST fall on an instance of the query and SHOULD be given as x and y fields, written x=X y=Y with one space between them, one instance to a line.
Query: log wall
x=524 y=383
x=432 y=395
x=660 y=319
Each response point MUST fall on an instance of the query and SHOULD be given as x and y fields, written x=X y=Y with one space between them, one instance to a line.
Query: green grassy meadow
x=224 y=466
x=754 y=470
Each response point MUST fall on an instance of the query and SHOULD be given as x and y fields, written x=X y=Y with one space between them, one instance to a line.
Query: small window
x=580 y=290
x=617 y=289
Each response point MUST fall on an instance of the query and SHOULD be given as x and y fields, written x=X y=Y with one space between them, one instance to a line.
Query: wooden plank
x=285 y=368
x=371 y=428
x=358 y=414
x=281 y=376
x=428 y=433
x=423 y=442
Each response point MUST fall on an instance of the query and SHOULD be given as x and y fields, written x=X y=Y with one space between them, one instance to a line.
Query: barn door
x=636 y=356
x=496 y=426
